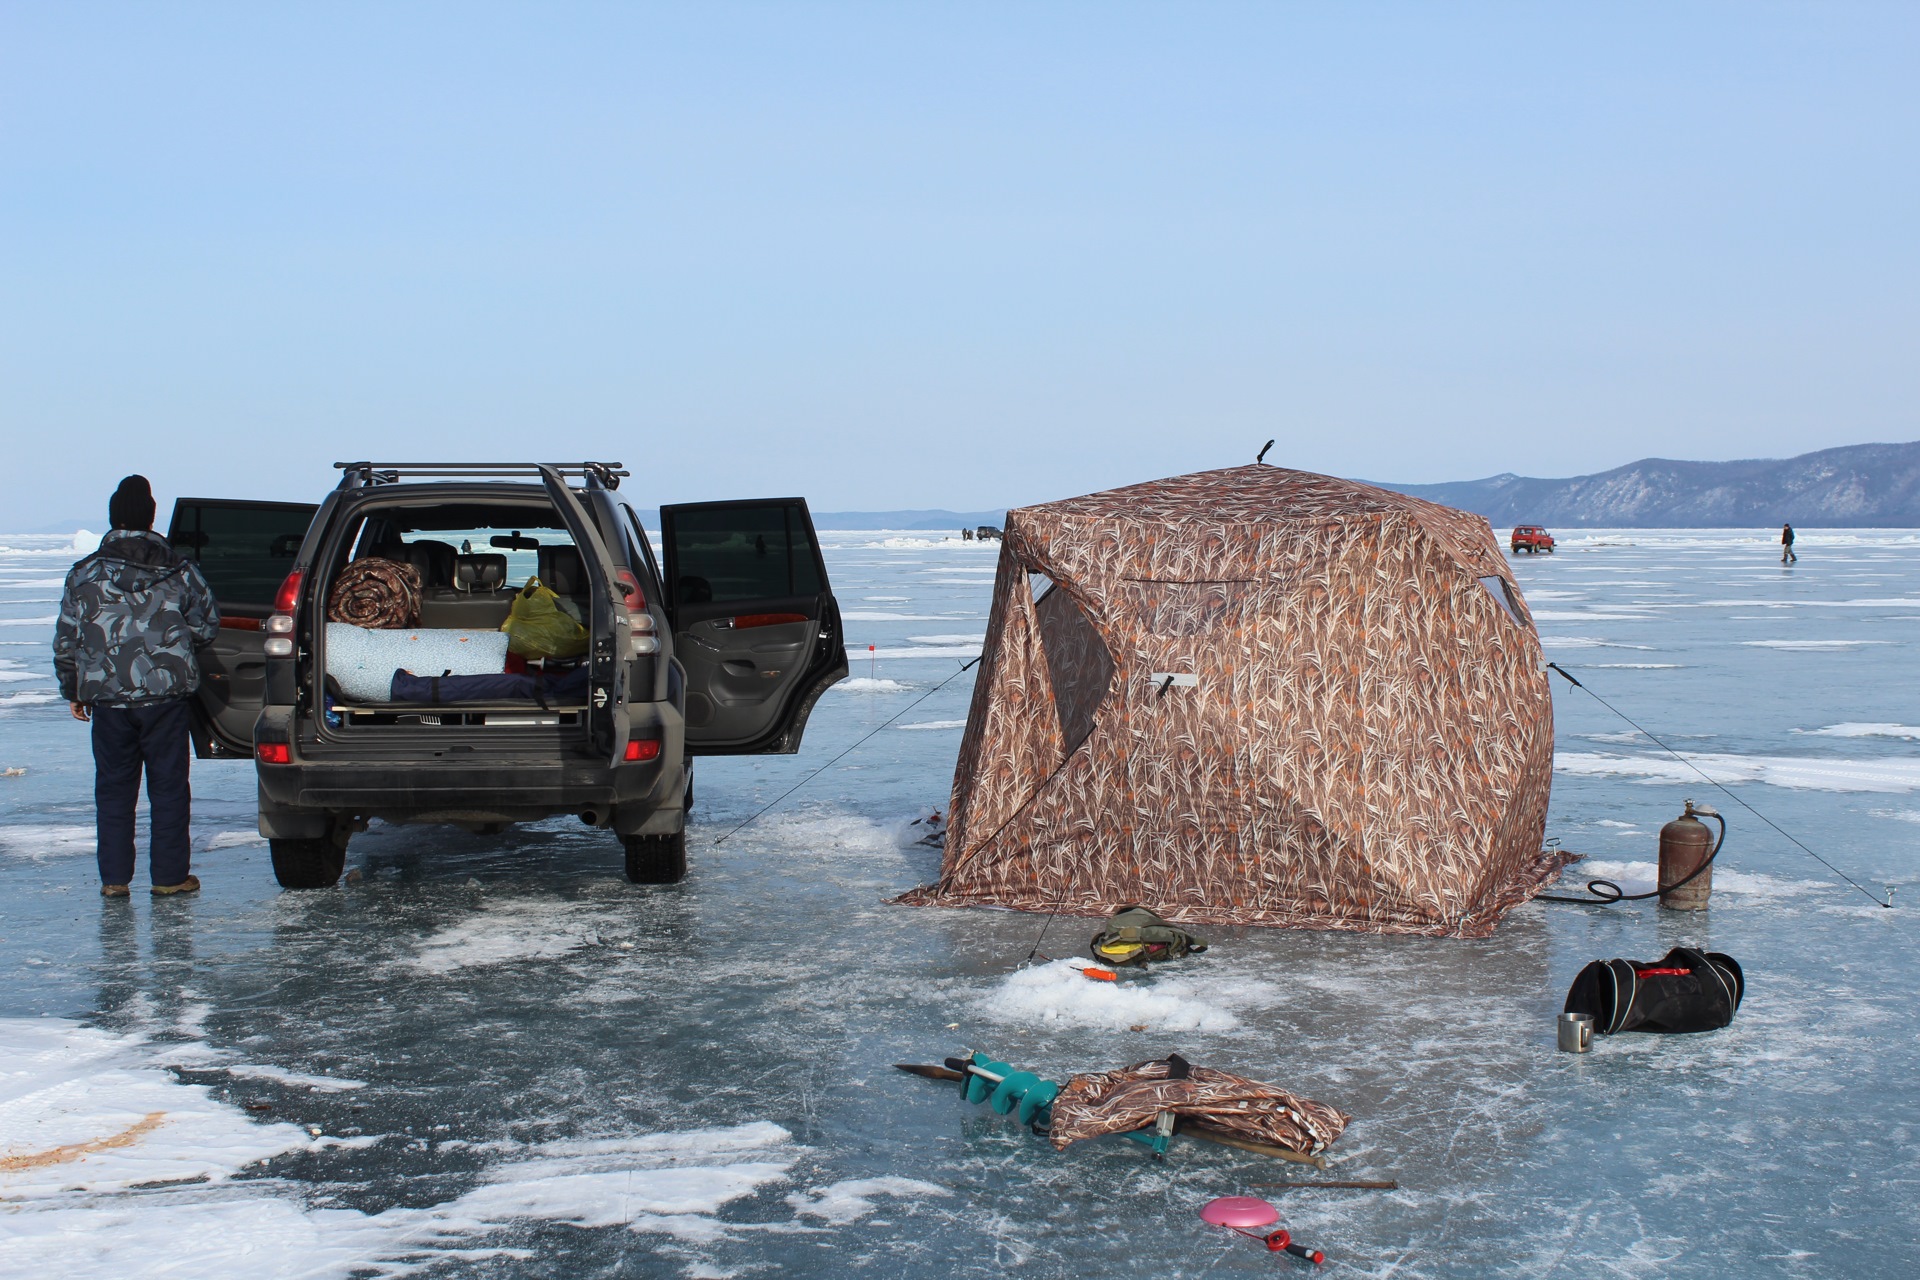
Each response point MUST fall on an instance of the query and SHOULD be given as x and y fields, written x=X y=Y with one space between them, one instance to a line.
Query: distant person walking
x=1786 y=545
x=131 y=616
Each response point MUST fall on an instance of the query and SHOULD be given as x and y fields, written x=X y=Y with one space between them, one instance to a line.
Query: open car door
x=244 y=549
x=755 y=625
x=608 y=721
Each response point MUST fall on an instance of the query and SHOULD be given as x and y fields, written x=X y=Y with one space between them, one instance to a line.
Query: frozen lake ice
x=494 y=1056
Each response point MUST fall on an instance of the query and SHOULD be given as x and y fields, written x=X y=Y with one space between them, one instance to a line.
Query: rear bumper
x=470 y=791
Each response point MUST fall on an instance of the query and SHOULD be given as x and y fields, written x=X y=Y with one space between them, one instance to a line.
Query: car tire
x=312 y=863
x=656 y=859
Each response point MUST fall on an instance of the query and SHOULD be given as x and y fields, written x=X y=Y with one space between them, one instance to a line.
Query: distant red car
x=1531 y=538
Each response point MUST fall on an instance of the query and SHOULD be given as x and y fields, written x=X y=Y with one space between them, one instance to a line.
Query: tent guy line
x=844 y=754
x=1554 y=666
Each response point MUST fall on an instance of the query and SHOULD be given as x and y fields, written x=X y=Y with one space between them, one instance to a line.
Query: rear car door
x=608 y=720
x=244 y=549
x=755 y=624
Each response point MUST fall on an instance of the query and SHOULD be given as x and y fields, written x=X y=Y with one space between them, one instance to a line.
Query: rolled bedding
x=377 y=593
x=362 y=662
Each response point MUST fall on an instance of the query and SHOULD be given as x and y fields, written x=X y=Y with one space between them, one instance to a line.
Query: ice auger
x=1009 y=1091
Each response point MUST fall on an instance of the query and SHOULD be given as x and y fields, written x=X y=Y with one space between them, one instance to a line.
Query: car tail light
x=273 y=752
x=280 y=625
x=642 y=749
x=630 y=591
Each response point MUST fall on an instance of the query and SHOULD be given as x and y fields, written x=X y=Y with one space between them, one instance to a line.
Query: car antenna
x=1260 y=458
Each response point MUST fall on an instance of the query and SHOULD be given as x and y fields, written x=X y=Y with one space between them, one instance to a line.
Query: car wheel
x=656 y=859
x=312 y=863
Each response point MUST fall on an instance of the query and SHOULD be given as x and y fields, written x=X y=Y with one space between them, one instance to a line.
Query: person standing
x=1786 y=545
x=131 y=616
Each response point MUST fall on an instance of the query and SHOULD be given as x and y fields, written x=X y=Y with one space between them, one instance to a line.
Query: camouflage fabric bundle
x=376 y=593
x=1098 y=1103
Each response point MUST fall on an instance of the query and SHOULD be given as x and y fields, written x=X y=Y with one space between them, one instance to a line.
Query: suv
x=1531 y=538
x=730 y=660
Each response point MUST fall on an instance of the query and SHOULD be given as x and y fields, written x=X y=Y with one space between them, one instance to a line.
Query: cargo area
x=470 y=560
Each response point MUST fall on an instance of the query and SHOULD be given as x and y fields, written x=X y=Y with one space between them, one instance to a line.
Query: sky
x=965 y=255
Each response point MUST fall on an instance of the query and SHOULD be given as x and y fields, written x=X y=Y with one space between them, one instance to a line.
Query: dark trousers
x=126 y=739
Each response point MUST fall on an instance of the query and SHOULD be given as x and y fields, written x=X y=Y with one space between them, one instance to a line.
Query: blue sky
x=967 y=255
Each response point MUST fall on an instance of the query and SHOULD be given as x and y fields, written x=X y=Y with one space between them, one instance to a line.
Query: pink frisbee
x=1239 y=1211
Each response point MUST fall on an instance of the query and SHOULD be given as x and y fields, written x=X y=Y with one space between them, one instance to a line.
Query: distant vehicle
x=724 y=652
x=1531 y=538
x=987 y=533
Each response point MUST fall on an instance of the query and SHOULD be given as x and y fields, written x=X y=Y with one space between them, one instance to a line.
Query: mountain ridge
x=1859 y=486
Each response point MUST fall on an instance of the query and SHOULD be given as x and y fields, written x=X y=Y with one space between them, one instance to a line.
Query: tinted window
x=742 y=553
x=244 y=549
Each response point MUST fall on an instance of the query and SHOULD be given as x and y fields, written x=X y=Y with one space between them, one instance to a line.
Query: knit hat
x=131 y=506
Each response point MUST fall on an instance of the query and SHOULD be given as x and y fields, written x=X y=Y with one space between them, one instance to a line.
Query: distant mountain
x=1862 y=485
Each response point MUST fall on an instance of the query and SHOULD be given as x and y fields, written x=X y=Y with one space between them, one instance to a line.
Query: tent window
x=1040 y=584
x=1077 y=662
x=1503 y=596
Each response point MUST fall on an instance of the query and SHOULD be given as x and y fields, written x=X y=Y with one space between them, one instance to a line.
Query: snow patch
x=1853 y=729
x=508 y=932
x=89 y=1118
x=856 y=652
x=852 y=1199
x=87 y=1110
x=1888 y=773
x=1642 y=877
x=869 y=684
x=40 y=841
x=1809 y=646
x=934 y=724
x=1058 y=993
x=279 y=1075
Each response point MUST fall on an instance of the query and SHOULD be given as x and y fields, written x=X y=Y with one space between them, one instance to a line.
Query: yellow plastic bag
x=537 y=627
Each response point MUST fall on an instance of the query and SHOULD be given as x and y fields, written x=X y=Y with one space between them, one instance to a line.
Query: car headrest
x=432 y=560
x=562 y=569
x=479 y=573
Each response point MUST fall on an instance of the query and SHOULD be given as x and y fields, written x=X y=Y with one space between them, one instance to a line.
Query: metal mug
x=1576 y=1032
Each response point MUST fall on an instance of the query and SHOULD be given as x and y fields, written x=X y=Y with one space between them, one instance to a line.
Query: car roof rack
x=357 y=475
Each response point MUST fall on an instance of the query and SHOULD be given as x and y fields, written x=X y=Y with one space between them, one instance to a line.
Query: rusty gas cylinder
x=1685 y=843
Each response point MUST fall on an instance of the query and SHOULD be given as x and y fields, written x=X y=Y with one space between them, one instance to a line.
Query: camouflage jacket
x=131 y=616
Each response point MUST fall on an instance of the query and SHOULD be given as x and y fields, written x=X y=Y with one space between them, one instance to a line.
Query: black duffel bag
x=1688 y=990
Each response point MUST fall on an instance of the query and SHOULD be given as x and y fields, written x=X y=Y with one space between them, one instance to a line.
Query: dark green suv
x=724 y=652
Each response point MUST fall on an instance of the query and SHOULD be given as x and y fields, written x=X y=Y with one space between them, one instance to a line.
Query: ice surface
x=564 y=1074
x=1886 y=773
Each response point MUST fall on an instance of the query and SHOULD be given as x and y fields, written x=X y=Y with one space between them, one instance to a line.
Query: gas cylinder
x=1685 y=843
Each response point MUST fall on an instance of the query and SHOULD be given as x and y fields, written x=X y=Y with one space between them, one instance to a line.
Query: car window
x=744 y=553
x=244 y=550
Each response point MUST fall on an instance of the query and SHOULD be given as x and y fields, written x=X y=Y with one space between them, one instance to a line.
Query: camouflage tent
x=1255 y=696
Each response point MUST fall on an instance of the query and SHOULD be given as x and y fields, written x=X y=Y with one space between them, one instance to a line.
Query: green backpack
x=1136 y=936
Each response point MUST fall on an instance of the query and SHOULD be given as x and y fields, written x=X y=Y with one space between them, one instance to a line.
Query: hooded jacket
x=131 y=616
